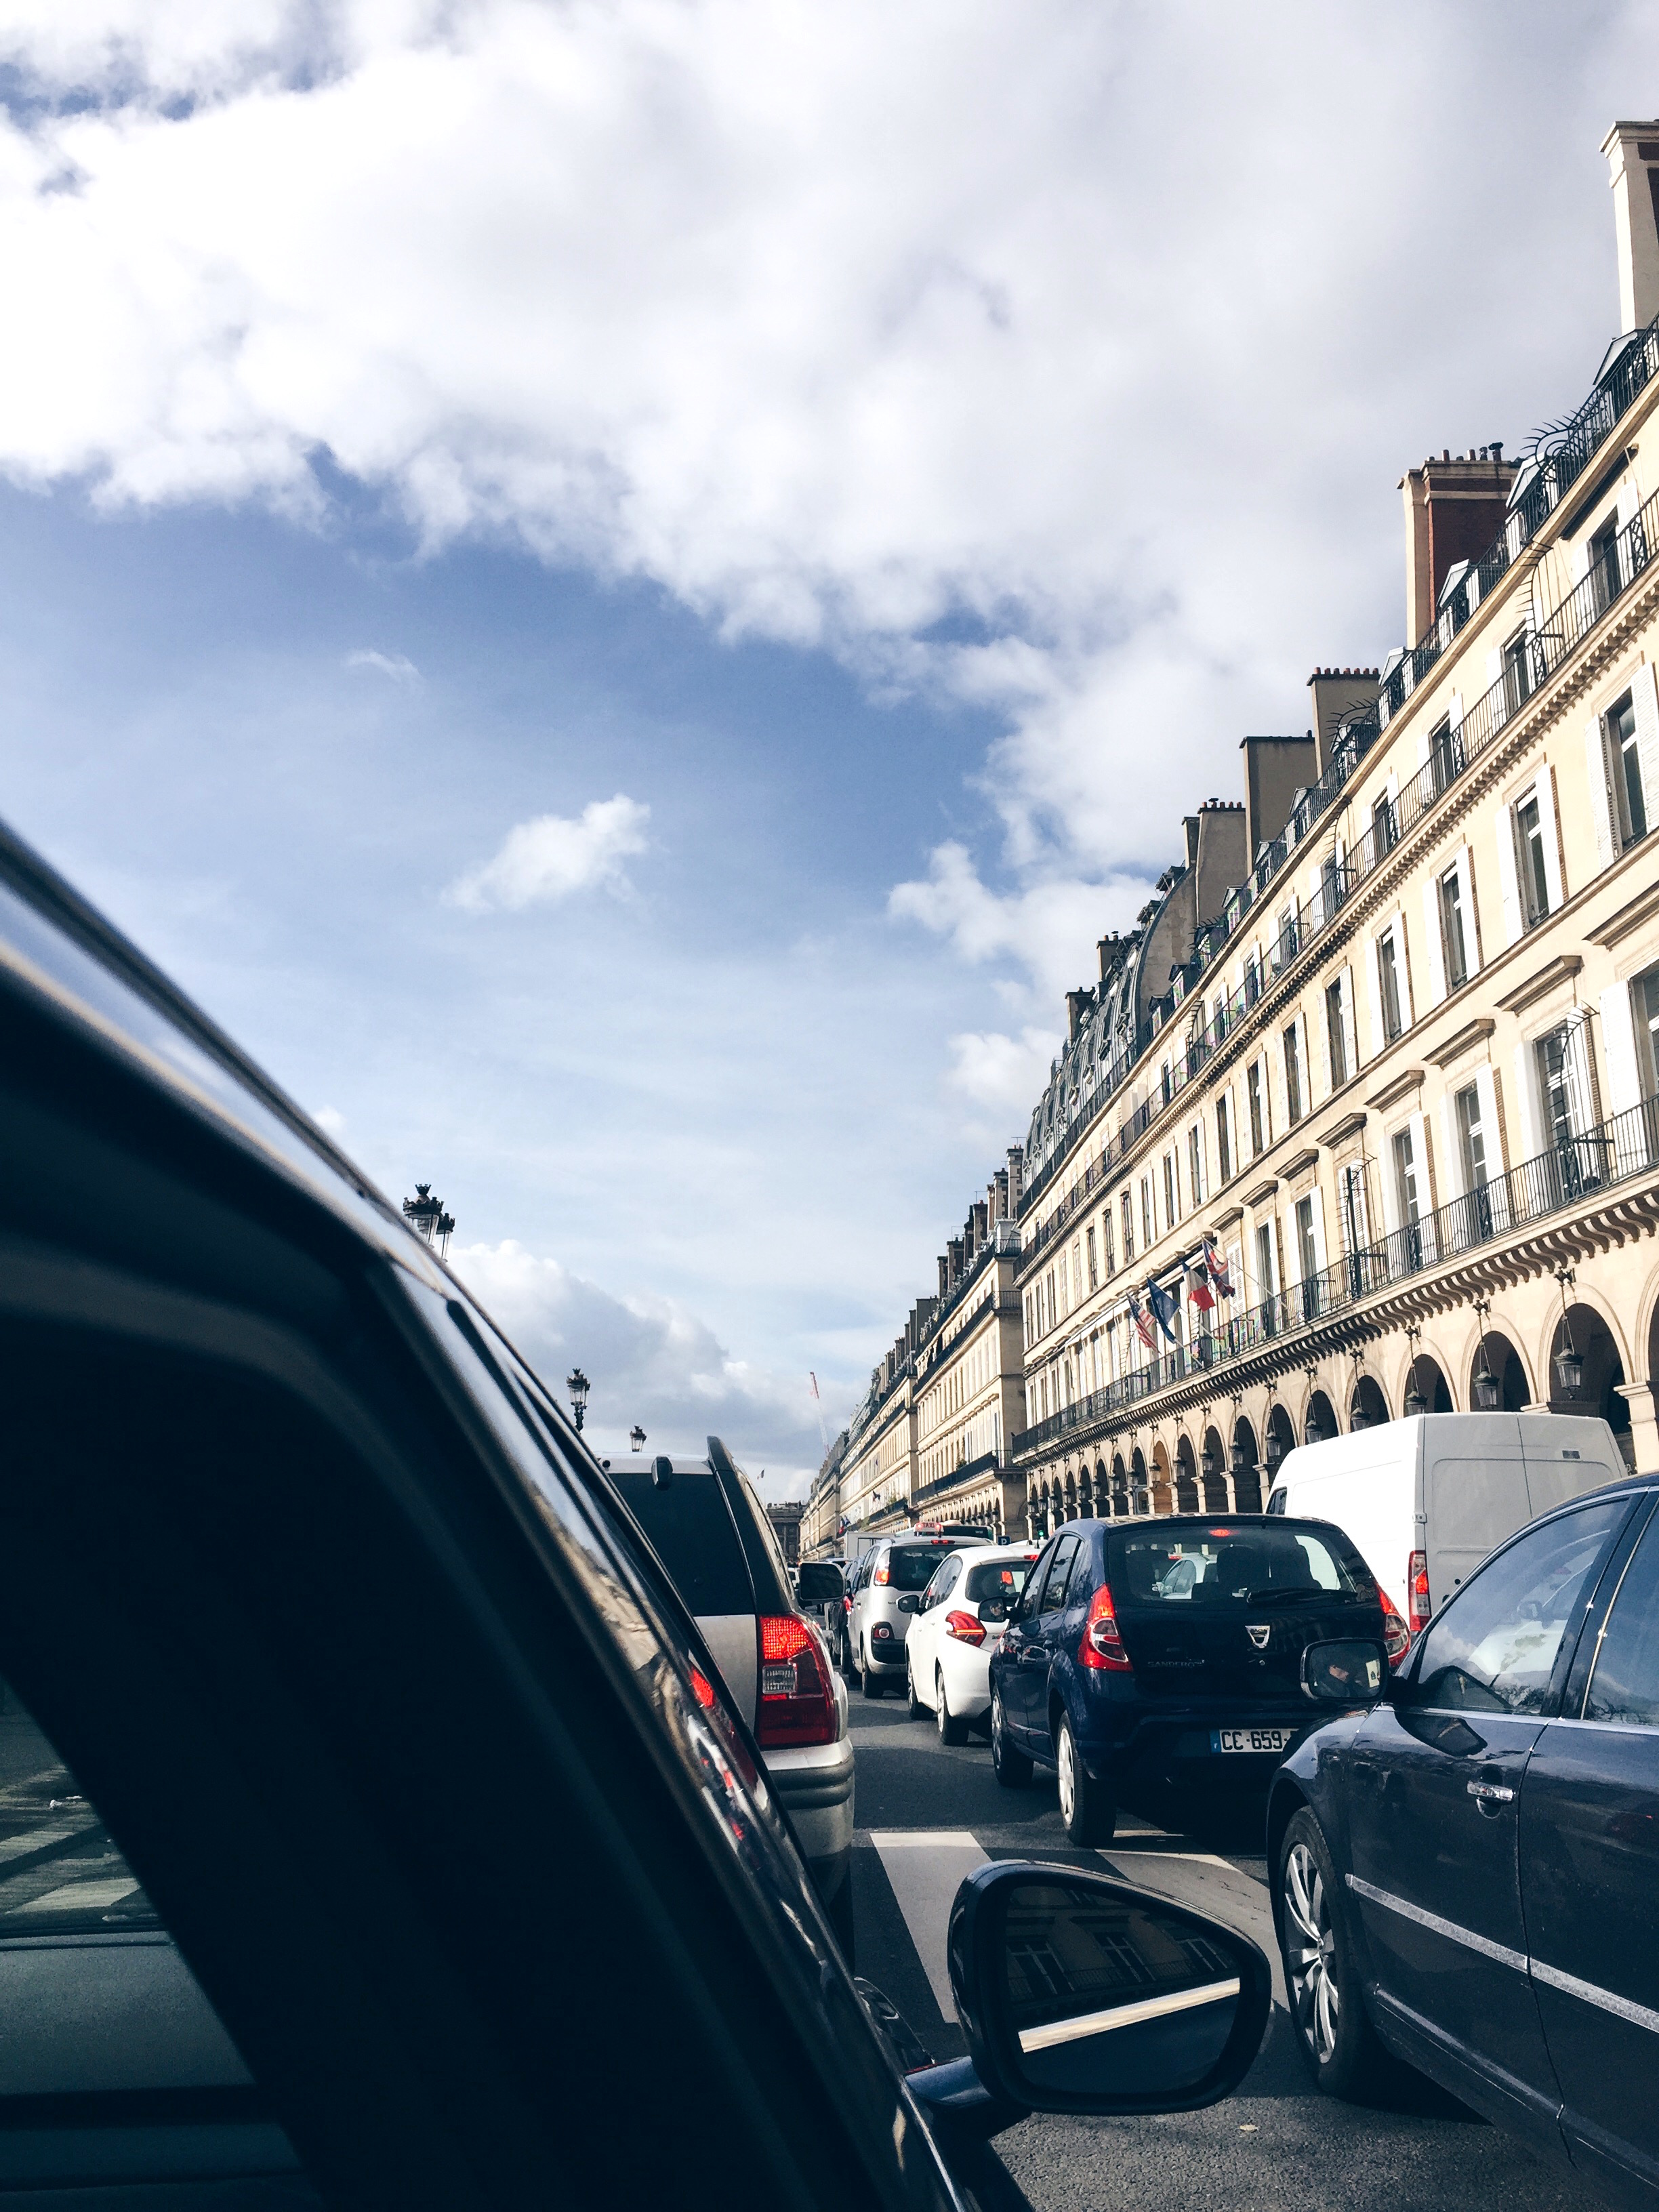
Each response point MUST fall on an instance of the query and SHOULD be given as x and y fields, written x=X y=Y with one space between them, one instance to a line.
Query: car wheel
x=1086 y=1805
x=1011 y=1767
x=869 y=1682
x=918 y=1711
x=951 y=1727
x=1334 y=2031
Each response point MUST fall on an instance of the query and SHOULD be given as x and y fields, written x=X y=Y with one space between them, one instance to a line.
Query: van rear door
x=1471 y=1502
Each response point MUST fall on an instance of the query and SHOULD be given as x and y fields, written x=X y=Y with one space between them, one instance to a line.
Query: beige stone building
x=1388 y=1036
x=820 y=1526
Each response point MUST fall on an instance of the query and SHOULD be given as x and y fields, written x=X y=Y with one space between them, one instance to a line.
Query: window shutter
x=1506 y=875
x=1454 y=1150
x=1431 y=939
x=1374 y=996
x=1546 y=823
x=1526 y=1099
x=1600 y=798
x=1645 y=697
x=1403 y=959
x=1618 y=1049
x=1471 y=919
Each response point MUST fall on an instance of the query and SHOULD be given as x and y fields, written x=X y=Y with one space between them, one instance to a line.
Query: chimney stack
x=1455 y=508
x=1016 y=1180
x=1632 y=152
x=1076 y=1005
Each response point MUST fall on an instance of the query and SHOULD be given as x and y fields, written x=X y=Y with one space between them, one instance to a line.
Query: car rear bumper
x=1177 y=1748
x=813 y=1783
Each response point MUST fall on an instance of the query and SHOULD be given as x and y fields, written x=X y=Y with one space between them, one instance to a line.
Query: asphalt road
x=927 y=1815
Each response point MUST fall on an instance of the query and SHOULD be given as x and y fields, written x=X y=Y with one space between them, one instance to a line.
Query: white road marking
x=17 y=1847
x=1195 y=1859
x=925 y=1867
x=80 y=1897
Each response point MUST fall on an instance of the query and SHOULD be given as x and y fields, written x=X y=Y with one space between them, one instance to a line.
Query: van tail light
x=1101 y=1645
x=846 y=1605
x=1396 y=1637
x=964 y=1628
x=1417 y=1590
x=797 y=1701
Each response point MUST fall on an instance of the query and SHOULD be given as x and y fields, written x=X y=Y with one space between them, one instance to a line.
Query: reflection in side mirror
x=910 y=1602
x=1079 y=1994
x=819 y=1582
x=1351 y=1671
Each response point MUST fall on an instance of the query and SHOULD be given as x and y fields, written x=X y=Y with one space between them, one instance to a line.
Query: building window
x=1128 y=1229
x=1106 y=1238
x=1604 y=563
x=1053 y=1309
x=1558 y=1087
x=1644 y=1007
x=1264 y=1259
x=1441 y=758
x=1453 y=939
x=1290 y=936
x=1306 y=1251
x=1517 y=672
x=1405 y=1179
x=1195 y=1163
x=1388 y=972
x=1384 y=828
x=1030 y=1319
x=1337 y=1032
x=1530 y=858
x=1624 y=761
x=1223 y=1142
x=1293 y=1073
x=1094 y=1267
x=1471 y=1136
x=1171 y=1191
x=1258 y=1119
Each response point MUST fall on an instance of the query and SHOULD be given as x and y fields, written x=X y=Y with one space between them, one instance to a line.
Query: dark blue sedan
x=1466 y=1875
x=1169 y=1651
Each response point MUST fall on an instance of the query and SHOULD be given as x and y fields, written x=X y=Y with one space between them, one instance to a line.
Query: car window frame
x=1603 y=1604
x=1067 y=1536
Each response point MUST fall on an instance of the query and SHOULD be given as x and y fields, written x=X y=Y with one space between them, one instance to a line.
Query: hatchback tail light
x=964 y=1628
x=797 y=1688
x=1396 y=1637
x=882 y=1575
x=1417 y=1590
x=1101 y=1645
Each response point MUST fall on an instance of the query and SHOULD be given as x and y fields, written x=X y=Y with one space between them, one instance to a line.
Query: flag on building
x=1198 y=1287
x=1143 y=1325
x=1217 y=1267
x=1163 y=1306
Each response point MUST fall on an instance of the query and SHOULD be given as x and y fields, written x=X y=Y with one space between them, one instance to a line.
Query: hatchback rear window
x=691 y=1532
x=1224 y=1565
x=913 y=1566
x=997 y=1578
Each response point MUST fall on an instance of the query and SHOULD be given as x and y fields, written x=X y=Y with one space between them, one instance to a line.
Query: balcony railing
x=1452 y=748
x=1576 y=1171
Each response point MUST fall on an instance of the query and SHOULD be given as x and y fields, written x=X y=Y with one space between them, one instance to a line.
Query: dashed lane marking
x=924 y=1868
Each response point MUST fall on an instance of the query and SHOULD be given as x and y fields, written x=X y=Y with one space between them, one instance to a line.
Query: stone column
x=1643 y=1424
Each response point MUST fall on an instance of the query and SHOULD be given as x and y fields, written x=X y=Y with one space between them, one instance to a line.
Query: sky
x=622 y=592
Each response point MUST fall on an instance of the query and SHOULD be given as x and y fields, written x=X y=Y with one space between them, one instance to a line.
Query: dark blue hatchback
x=1170 y=1651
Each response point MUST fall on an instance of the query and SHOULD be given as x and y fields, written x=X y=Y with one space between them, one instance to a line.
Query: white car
x=958 y=1624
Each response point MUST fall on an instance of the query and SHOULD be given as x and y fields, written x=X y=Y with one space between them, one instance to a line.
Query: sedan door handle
x=1491 y=1793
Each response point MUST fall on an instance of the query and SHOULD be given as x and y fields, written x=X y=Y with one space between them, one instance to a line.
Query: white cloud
x=1044 y=928
x=649 y=1360
x=552 y=857
x=397 y=665
x=331 y=1121
x=1003 y=1074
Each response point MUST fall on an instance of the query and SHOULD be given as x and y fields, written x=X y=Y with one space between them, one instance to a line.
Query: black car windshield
x=1258 y=1562
x=913 y=1566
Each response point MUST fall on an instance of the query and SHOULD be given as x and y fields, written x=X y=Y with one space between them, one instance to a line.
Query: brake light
x=880 y=1574
x=1417 y=1590
x=703 y=1688
x=796 y=1694
x=964 y=1628
x=1101 y=1645
x=1396 y=1636
x=846 y=1605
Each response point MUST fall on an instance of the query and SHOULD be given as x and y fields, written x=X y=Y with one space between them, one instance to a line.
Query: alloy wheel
x=1309 y=1953
x=1068 y=1777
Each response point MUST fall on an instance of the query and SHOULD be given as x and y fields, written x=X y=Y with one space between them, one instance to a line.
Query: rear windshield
x=913 y=1566
x=997 y=1578
x=1223 y=1566
x=691 y=1533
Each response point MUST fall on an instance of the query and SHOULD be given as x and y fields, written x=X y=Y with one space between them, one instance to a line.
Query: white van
x=1424 y=1500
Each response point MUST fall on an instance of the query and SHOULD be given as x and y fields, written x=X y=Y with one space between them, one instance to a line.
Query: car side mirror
x=1352 y=1670
x=819 y=1582
x=1080 y=1994
x=910 y=1602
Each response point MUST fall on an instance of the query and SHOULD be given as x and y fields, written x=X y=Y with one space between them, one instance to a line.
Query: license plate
x=1251 y=1739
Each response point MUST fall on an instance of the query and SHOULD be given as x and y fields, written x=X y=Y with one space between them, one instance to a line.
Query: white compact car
x=958 y=1624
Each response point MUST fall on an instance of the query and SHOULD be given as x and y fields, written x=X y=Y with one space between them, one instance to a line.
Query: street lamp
x=426 y=1217
x=578 y=1385
x=1568 y=1363
x=1416 y=1403
x=637 y=1437
x=1483 y=1389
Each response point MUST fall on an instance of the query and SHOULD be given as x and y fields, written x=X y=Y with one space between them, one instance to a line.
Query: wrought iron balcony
x=1575 y=1172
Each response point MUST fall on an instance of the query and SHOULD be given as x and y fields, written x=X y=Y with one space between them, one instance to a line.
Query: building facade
x=1361 y=1118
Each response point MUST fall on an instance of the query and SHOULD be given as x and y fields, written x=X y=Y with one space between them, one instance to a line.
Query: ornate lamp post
x=637 y=1437
x=578 y=1385
x=1483 y=1389
x=426 y=1217
x=1569 y=1363
x=1415 y=1403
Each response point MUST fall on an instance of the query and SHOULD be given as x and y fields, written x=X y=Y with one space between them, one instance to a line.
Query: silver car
x=896 y=1567
x=710 y=1531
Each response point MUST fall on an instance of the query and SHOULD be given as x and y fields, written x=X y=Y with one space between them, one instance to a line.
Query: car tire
x=918 y=1711
x=1012 y=1766
x=1086 y=1805
x=1333 y=2032
x=953 y=1729
x=869 y=1681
